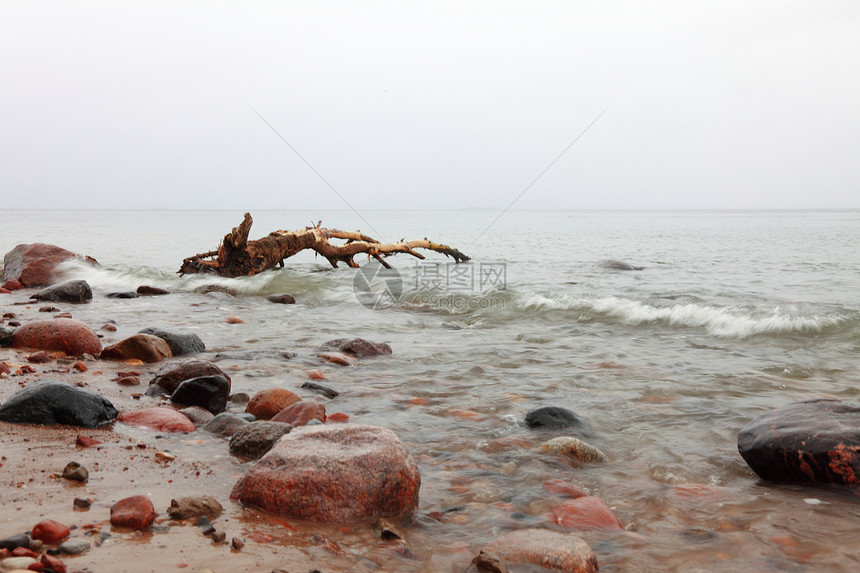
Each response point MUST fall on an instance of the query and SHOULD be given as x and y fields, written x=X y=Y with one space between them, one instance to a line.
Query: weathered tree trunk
x=237 y=256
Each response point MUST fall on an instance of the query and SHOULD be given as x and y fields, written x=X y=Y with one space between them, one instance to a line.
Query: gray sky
x=416 y=105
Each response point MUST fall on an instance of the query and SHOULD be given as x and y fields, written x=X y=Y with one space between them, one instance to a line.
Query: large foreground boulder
x=334 y=474
x=74 y=292
x=52 y=402
x=544 y=548
x=813 y=441
x=172 y=375
x=70 y=336
x=180 y=343
x=34 y=264
x=143 y=347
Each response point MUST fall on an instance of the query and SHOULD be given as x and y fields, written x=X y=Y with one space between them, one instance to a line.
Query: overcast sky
x=417 y=105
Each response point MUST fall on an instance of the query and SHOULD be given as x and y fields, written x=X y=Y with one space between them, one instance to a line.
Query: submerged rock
x=140 y=346
x=573 y=448
x=252 y=441
x=544 y=548
x=300 y=413
x=126 y=294
x=225 y=424
x=356 y=347
x=50 y=402
x=813 y=441
x=555 y=417
x=267 y=403
x=281 y=298
x=172 y=375
x=613 y=265
x=585 y=513
x=180 y=343
x=162 y=419
x=147 y=290
x=321 y=389
x=209 y=392
x=72 y=291
x=34 y=264
x=335 y=474
x=200 y=416
x=70 y=336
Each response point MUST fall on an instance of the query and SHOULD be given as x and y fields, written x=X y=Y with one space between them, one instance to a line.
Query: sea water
x=732 y=313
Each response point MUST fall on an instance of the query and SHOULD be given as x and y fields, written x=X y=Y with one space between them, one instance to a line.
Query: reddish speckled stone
x=162 y=419
x=141 y=346
x=301 y=413
x=49 y=531
x=334 y=474
x=267 y=403
x=135 y=512
x=71 y=336
x=549 y=549
x=585 y=513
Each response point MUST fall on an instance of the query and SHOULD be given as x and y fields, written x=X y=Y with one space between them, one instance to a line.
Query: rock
x=561 y=487
x=20 y=540
x=70 y=336
x=82 y=503
x=140 y=346
x=233 y=319
x=82 y=441
x=209 y=392
x=337 y=417
x=544 y=548
x=128 y=381
x=6 y=336
x=320 y=389
x=108 y=327
x=357 y=347
x=315 y=374
x=301 y=413
x=49 y=531
x=206 y=289
x=12 y=285
x=252 y=441
x=573 y=448
x=225 y=424
x=180 y=343
x=48 y=402
x=128 y=294
x=33 y=264
x=338 y=358
x=17 y=563
x=162 y=419
x=80 y=366
x=267 y=403
x=585 y=513
x=555 y=417
x=281 y=298
x=39 y=357
x=74 y=546
x=237 y=544
x=200 y=416
x=135 y=512
x=151 y=290
x=335 y=474
x=488 y=563
x=613 y=265
x=170 y=376
x=194 y=506
x=74 y=292
x=813 y=441
x=53 y=563
x=75 y=472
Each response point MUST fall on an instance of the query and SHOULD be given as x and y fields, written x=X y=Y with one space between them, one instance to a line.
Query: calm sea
x=732 y=314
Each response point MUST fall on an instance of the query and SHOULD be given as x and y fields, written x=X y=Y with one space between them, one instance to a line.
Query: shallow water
x=733 y=314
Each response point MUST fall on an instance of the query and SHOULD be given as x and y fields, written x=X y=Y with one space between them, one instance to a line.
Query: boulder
x=33 y=264
x=356 y=347
x=252 y=441
x=48 y=402
x=281 y=298
x=225 y=424
x=74 y=292
x=300 y=413
x=180 y=343
x=171 y=375
x=49 y=532
x=556 y=417
x=544 y=548
x=334 y=474
x=209 y=392
x=161 y=419
x=267 y=403
x=141 y=347
x=65 y=334
x=586 y=513
x=813 y=441
x=135 y=512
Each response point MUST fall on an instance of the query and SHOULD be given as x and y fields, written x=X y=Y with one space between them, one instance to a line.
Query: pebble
x=17 y=563
x=74 y=546
x=76 y=472
x=219 y=537
x=82 y=503
x=237 y=544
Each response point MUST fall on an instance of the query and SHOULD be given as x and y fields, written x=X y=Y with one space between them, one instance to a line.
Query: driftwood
x=237 y=256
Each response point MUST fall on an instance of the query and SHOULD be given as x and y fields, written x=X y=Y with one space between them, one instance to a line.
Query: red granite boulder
x=544 y=548
x=333 y=474
x=301 y=413
x=135 y=512
x=267 y=403
x=585 y=513
x=34 y=264
x=161 y=419
x=70 y=336
x=140 y=346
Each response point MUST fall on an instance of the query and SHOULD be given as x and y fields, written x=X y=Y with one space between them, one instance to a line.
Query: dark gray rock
x=200 y=416
x=208 y=392
x=128 y=294
x=225 y=424
x=357 y=347
x=20 y=540
x=251 y=442
x=151 y=290
x=71 y=291
x=320 y=389
x=170 y=376
x=555 y=417
x=254 y=355
x=180 y=343
x=281 y=298
x=52 y=402
x=6 y=336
